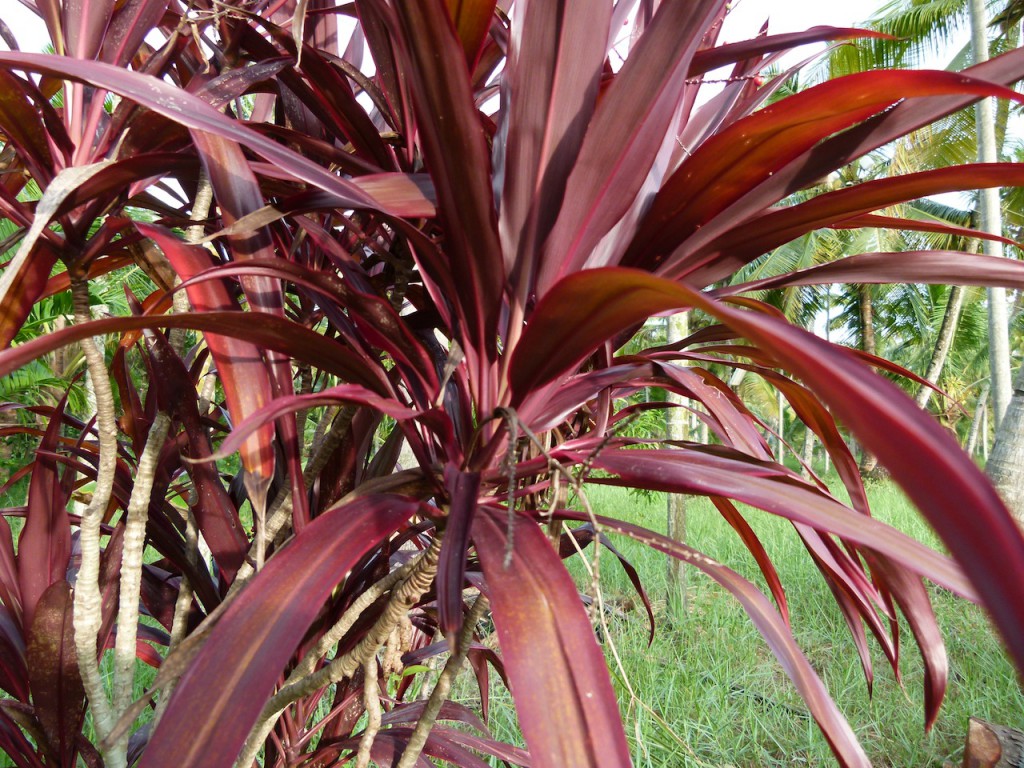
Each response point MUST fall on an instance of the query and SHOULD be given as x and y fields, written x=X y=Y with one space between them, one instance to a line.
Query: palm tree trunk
x=676 y=427
x=947 y=332
x=1006 y=464
x=979 y=417
x=868 y=461
x=991 y=221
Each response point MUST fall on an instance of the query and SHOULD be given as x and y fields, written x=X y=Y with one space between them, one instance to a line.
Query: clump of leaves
x=412 y=261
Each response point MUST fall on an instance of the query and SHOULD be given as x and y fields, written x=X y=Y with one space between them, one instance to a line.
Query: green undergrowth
x=708 y=691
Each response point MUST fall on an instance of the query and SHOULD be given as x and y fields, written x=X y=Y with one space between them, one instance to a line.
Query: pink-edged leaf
x=771 y=626
x=132 y=21
x=722 y=55
x=557 y=672
x=57 y=691
x=238 y=194
x=753 y=544
x=774 y=489
x=409 y=712
x=929 y=267
x=728 y=165
x=21 y=286
x=988 y=546
x=13 y=669
x=343 y=393
x=85 y=21
x=553 y=72
x=455 y=150
x=617 y=155
x=913 y=600
x=10 y=583
x=267 y=621
x=14 y=745
x=23 y=128
x=463 y=489
x=44 y=547
x=874 y=220
x=584 y=535
x=761 y=234
x=191 y=112
x=216 y=514
x=837 y=151
x=271 y=332
x=472 y=19
x=240 y=364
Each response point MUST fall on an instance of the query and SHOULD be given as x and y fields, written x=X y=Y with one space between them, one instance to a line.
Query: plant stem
x=87 y=600
x=418 y=738
x=137 y=517
x=403 y=598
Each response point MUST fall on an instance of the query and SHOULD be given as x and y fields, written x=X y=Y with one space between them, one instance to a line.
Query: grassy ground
x=708 y=692
x=712 y=693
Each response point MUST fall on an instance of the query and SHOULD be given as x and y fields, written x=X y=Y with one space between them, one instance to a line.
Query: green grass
x=711 y=691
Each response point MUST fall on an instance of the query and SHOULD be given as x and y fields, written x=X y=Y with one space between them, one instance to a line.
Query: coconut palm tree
x=921 y=29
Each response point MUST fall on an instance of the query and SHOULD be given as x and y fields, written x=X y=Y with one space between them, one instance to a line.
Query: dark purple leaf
x=463 y=489
x=57 y=691
x=44 y=547
x=268 y=620
x=566 y=704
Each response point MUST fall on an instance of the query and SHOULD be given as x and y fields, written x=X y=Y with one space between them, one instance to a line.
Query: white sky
x=744 y=19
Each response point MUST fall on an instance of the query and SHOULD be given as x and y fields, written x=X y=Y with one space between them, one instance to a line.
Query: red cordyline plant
x=411 y=261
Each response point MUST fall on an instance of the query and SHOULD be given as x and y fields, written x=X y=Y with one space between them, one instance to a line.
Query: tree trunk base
x=993 y=746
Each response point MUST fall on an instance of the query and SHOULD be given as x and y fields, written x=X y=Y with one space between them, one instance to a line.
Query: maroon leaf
x=267 y=620
x=931 y=267
x=44 y=547
x=566 y=705
x=190 y=112
x=472 y=19
x=763 y=233
x=989 y=546
x=713 y=179
x=240 y=364
x=721 y=55
x=57 y=691
x=132 y=21
x=272 y=332
x=13 y=669
x=617 y=154
x=771 y=626
x=553 y=72
x=773 y=489
x=456 y=154
x=463 y=489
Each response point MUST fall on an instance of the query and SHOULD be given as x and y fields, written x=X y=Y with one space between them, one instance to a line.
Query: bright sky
x=746 y=16
x=744 y=20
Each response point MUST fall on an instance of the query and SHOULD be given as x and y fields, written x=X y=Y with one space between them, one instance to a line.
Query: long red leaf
x=725 y=167
x=552 y=75
x=240 y=364
x=771 y=626
x=988 y=546
x=762 y=233
x=721 y=55
x=44 y=547
x=57 y=691
x=191 y=112
x=234 y=673
x=271 y=332
x=929 y=267
x=557 y=673
x=456 y=154
x=617 y=154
